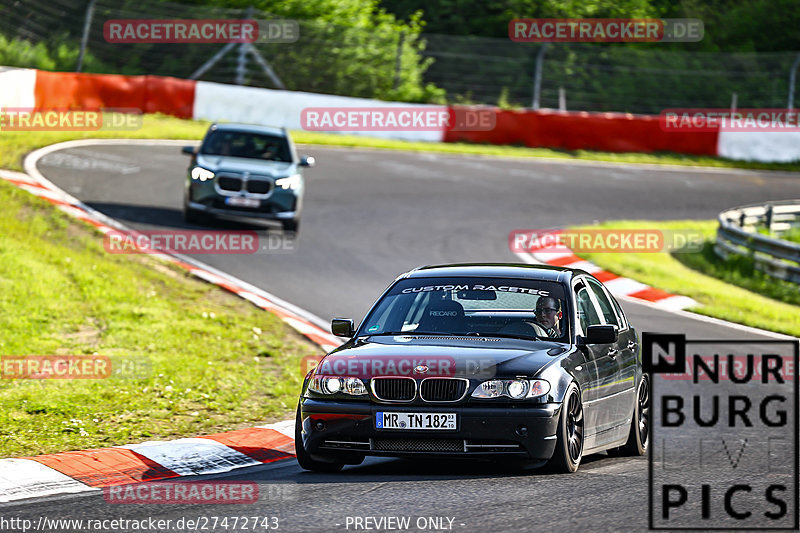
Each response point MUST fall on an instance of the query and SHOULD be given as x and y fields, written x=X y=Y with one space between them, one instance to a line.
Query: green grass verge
x=14 y=145
x=208 y=360
x=731 y=290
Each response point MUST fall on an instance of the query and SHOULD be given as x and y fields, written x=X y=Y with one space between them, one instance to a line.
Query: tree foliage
x=730 y=25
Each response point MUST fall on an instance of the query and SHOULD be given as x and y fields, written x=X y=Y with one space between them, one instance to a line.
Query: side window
x=606 y=307
x=587 y=313
x=623 y=322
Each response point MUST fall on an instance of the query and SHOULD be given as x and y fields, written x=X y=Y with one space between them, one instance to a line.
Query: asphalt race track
x=368 y=216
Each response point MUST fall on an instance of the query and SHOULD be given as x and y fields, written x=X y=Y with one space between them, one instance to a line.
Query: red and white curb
x=618 y=285
x=90 y=470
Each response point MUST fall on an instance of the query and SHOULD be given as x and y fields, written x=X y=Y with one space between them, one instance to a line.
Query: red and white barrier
x=611 y=132
x=218 y=101
x=607 y=132
x=767 y=147
x=17 y=87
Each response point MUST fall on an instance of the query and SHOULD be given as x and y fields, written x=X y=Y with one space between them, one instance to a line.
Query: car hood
x=219 y=163
x=470 y=357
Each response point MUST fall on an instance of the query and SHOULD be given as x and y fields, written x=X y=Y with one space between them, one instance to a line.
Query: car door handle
x=612 y=353
x=631 y=345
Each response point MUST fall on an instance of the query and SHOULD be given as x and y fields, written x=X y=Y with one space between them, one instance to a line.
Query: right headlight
x=290 y=182
x=336 y=384
x=515 y=389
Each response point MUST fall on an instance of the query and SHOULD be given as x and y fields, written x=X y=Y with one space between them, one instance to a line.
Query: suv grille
x=258 y=186
x=394 y=389
x=442 y=389
x=418 y=445
x=229 y=184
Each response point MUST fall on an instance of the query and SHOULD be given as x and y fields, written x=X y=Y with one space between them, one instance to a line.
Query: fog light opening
x=522 y=430
x=319 y=425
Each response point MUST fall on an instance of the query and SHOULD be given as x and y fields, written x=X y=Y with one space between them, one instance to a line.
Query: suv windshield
x=471 y=306
x=247 y=144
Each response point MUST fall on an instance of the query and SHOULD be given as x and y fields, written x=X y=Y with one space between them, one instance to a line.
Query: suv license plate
x=237 y=201
x=389 y=420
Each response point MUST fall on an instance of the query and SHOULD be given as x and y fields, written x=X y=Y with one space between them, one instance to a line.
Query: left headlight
x=515 y=389
x=336 y=384
x=202 y=174
x=291 y=182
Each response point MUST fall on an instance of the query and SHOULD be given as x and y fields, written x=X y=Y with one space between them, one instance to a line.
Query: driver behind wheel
x=548 y=314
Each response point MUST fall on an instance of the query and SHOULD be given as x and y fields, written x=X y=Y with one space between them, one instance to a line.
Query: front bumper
x=242 y=213
x=345 y=428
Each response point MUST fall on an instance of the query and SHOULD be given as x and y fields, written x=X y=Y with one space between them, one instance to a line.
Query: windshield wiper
x=505 y=336
x=409 y=333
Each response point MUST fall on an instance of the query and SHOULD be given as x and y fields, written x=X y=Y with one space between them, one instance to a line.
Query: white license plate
x=237 y=201
x=389 y=420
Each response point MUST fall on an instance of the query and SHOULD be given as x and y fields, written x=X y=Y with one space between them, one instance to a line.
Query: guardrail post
x=769 y=218
x=87 y=24
x=792 y=78
x=537 y=76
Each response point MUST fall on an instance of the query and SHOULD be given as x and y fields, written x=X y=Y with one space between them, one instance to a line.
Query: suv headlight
x=337 y=384
x=291 y=182
x=515 y=389
x=202 y=174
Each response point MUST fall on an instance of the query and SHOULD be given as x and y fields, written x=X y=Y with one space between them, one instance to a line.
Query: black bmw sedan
x=483 y=360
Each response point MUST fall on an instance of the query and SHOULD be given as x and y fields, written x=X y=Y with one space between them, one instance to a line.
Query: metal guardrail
x=737 y=234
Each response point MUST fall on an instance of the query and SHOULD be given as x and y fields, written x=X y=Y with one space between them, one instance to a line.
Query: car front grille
x=422 y=445
x=259 y=186
x=229 y=184
x=418 y=445
x=443 y=389
x=394 y=389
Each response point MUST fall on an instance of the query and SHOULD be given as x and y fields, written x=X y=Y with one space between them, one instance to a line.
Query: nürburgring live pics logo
x=724 y=433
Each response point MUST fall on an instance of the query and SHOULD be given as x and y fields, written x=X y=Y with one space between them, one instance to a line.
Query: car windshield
x=247 y=144
x=471 y=306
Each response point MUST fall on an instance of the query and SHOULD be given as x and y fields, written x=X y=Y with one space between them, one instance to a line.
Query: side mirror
x=601 y=334
x=188 y=150
x=307 y=161
x=343 y=327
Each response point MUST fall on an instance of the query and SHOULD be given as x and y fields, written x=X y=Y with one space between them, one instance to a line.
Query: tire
x=291 y=225
x=639 y=434
x=303 y=457
x=570 y=436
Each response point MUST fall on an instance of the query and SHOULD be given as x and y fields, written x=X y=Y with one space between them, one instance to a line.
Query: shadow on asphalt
x=415 y=469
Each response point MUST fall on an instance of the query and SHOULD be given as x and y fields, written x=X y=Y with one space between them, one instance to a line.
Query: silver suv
x=243 y=170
